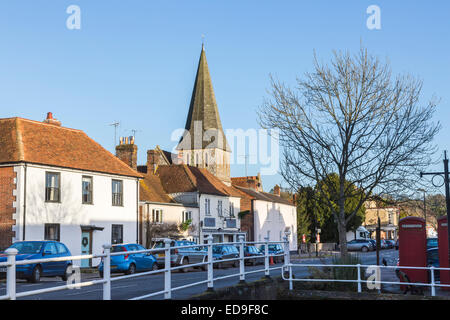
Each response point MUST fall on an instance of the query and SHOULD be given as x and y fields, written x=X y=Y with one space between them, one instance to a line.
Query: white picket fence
x=168 y=289
x=286 y=269
x=359 y=279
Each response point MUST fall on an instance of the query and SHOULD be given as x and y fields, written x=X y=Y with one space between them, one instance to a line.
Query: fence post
x=287 y=254
x=359 y=277
x=290 y=278
x=167 y=272
x=210 y=264
x=107 y=272
x=266 y=257
x=433 y=289
x=11 y=273
x=241 y=260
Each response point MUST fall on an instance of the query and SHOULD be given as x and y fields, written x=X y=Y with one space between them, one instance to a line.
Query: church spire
x=203 y=121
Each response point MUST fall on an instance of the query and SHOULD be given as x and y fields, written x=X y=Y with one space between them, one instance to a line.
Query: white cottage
x=56 y=183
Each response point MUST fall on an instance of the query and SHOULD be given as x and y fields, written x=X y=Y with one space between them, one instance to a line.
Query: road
x=134 y=287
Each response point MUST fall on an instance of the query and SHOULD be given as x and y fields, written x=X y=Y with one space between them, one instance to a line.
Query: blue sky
x=135 y=61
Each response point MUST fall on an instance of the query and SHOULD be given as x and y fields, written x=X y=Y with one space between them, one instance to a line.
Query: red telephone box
x=443 y=251
x=413 y=247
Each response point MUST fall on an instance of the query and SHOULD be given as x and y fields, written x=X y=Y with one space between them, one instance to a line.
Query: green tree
x=306 y=214
x=327 y=222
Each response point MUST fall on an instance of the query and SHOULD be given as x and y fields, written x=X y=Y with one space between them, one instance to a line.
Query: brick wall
x=128 y=154
x=247 y=223
x=7 y=186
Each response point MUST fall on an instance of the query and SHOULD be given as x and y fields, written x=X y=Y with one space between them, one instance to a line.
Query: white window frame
x=186 y=215
x=157 y=216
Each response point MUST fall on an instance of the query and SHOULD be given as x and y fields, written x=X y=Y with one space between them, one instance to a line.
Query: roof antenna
x=115 y=124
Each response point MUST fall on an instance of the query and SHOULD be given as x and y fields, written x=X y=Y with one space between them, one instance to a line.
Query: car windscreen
x=217 y=249
x=118 y=249
x=252 y=249
x=232 y=249
x=28 y=247
x=274 y=247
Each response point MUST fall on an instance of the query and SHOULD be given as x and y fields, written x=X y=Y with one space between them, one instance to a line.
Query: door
x=86 y=239
x=50 y=268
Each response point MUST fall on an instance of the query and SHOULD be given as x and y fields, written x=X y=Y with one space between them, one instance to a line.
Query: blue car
x=433 y=260
x=274 y=249
x=31 y=250
x=131 y=262
x=224 y=252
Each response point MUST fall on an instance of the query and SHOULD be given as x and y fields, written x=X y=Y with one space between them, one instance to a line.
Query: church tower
x=204 y=144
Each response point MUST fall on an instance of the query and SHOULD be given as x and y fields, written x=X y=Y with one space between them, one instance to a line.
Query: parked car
x=384 y=244
x=432 y=243
x=390 y=244
x=257 y=256
x=32 y=250
x=223 y=252
x=433 y=260
x=359 y=245
x=131 y=262
x=274 y=249
x=181 y=256
x=373 y=243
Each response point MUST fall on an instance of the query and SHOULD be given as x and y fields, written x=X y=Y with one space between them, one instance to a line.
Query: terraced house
x=56 y=183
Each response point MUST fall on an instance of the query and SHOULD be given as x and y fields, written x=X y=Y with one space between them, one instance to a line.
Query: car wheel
x=36 y=274
x=154 y=266
x=131 y=269
x=235 y=264
x=184 y=262
x=364 y=249
x=65 y=276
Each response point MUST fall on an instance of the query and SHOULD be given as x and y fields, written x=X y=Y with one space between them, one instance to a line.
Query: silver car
x=359 y=245
x=180 y=256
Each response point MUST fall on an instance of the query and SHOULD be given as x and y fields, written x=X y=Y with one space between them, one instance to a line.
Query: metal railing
x=359 y=279
x=209 y=262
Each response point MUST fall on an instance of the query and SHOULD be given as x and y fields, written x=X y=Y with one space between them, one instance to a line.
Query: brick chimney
x=127 y=151
x=51 y=120
x=153 y=159
x=276 y=190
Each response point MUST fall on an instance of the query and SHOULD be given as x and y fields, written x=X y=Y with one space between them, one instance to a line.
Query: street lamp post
x=424 y=208
x=447 y=192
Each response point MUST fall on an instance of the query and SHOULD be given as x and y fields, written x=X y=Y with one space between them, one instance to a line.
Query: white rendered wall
x=70 y=213
x=271 y=219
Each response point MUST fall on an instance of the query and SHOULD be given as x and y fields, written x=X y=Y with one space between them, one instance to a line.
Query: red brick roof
x=264 y=196
x=183 y=178
x=151 y=189
x=23 y=140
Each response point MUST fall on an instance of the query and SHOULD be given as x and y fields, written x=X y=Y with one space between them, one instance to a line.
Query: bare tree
x=353 y=118
x=160 y=230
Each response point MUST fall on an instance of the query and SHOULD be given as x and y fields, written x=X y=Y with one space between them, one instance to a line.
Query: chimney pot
x=276 y=190
x=51 y=120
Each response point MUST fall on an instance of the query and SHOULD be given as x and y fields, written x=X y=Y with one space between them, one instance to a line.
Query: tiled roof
x=183 y=178
x=264 y=196
x=203 y=110
x=23 y=140
x=151 y=189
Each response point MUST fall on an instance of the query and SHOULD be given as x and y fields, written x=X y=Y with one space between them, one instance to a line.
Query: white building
x=66 y=188
x=267 y=215
x=218 y=204
x=359 y=233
